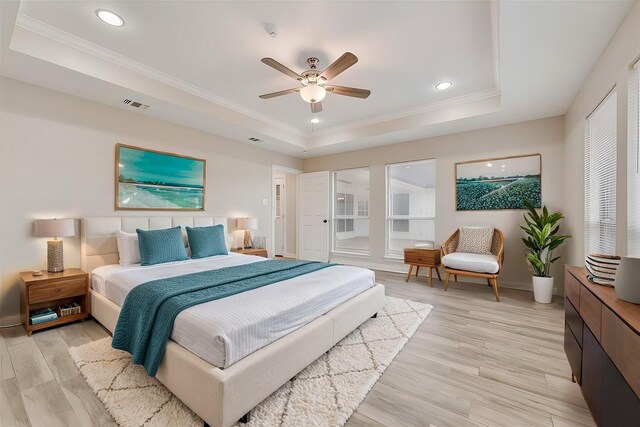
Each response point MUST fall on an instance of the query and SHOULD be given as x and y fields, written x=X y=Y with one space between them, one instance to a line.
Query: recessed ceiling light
x=443 y=85
x=315 y=121
x=489 y=164
x=110 y=17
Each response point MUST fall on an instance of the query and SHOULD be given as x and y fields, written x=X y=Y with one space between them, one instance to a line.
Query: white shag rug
x=324 y=394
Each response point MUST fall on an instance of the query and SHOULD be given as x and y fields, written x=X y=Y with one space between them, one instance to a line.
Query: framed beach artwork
x=155 y=180
x=499 y=183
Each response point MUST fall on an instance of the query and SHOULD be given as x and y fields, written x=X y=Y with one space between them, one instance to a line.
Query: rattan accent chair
x=497 y=249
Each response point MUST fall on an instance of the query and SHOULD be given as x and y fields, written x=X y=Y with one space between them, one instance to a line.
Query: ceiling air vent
x=135 y=104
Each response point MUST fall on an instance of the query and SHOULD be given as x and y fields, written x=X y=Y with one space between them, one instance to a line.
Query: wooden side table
x=419 y=257
x=257 y=252
x=52 y=290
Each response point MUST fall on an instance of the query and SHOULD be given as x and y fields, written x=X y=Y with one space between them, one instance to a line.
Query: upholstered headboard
x=99 y=245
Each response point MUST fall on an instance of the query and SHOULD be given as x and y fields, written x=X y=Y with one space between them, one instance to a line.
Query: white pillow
x=475 y=240
x=128 y=248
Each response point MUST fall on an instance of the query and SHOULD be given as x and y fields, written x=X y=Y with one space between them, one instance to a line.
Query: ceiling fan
x=313 y=83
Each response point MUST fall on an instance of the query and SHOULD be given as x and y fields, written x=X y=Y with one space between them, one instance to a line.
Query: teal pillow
x=207 y=241
x=158 y=246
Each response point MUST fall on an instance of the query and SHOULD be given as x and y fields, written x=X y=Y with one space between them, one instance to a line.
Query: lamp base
x=248 y=241
x=55 y=258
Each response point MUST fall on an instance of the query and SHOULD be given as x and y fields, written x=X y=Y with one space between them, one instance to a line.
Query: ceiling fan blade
x=316 y=107
x=349 y=91
x=278 y=66
x=340 y=64
x=280 y=93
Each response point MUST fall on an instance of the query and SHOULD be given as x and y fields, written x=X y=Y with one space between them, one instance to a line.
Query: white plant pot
x=543 y=289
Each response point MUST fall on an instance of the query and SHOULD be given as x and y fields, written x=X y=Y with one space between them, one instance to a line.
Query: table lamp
x=55 y=228
x=626 y=283
x=247 y=224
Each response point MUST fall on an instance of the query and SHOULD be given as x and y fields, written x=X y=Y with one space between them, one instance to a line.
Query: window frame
x=354 y=217
x=398 y=255
x=633 y=162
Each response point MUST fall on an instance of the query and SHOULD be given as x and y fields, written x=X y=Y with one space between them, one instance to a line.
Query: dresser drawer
x=573 y=320
x=427 y=257
x=572 y=288
x=57 y=290
x=622 y=345
x=591 y=311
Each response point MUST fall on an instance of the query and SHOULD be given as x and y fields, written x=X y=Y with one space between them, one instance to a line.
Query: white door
x=279 y=225
x=313 y=216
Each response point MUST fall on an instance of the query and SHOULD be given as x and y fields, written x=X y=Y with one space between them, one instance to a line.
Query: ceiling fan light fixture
x=443 y=85
x=109 y=17
x=314 y=121
x=313 y=93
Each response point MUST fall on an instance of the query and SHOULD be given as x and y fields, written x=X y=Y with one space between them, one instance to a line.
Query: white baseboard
x=10 y=320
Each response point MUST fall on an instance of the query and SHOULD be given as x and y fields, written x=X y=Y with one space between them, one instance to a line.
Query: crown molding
x=75 y=42
x=410 y=112
x=67 y=39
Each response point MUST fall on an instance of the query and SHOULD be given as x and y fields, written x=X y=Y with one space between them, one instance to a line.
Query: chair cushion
x=475 y=240
x=478 y=263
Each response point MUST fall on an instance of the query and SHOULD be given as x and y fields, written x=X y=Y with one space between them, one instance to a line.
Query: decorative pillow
x=475 y=240
x=207 y=241
x=158 y=246
x=128 y=249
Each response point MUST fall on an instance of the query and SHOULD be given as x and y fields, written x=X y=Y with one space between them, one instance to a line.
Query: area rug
x=324 y=394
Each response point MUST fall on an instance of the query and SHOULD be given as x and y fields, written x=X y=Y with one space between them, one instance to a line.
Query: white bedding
x=226 y=330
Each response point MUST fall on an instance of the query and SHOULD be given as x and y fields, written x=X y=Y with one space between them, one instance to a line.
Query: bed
x=259 y=340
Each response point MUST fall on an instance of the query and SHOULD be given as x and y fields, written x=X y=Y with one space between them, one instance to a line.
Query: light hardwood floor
x=474 y=362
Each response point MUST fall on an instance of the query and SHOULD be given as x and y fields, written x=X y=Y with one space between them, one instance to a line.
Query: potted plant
x=542 y=239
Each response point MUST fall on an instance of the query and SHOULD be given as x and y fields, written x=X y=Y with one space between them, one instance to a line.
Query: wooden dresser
x=602 y=343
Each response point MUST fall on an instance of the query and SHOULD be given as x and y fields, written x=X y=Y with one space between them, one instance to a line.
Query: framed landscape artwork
x=154 y=180
x=499 y=183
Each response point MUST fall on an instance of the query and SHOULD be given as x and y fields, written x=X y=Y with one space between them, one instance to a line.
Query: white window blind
x=600 y=177
x=633 y=164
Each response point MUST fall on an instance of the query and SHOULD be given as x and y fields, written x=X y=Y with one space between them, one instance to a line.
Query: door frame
x=272 y=245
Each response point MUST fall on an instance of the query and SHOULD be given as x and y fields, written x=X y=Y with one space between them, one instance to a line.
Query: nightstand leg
x=431 y=277
x=417 y=270
x=438 y=273
x=409 y=274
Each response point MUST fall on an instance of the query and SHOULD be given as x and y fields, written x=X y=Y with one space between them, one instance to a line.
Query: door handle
x=325 y=221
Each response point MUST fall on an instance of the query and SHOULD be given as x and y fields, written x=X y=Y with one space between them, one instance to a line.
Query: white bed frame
x=223 y=396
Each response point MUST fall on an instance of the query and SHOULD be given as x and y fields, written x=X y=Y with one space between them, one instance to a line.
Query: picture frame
x=147 y=179
x=498 y=183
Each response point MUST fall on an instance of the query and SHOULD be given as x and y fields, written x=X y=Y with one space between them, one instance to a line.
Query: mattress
x=226 y=330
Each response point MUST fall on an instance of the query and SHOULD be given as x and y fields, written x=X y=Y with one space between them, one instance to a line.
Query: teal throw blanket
x=149 y=310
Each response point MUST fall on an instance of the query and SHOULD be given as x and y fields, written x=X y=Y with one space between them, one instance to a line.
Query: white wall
x=543 y=136
x=57 y=160
x=611 y=70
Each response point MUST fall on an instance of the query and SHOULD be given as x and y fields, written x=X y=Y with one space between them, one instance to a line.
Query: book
x=42 y=319
x=41 y=312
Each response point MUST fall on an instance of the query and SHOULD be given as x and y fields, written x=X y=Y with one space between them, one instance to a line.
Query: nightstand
x=257 y=252
x=52 y=290
x=422 y=257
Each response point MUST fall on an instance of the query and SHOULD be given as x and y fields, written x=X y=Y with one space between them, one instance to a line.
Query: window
x=411 y=205
x=600 y=177
x=351 y=211
x=633 y=164
x=363 y=207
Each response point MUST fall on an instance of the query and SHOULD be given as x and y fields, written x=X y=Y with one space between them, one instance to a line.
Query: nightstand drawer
x=57 y=290
x=428 y=257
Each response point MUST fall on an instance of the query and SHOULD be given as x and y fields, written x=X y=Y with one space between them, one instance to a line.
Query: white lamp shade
x=313 y=93
x=55 y=228
x=626 y=283
x=247 y=223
